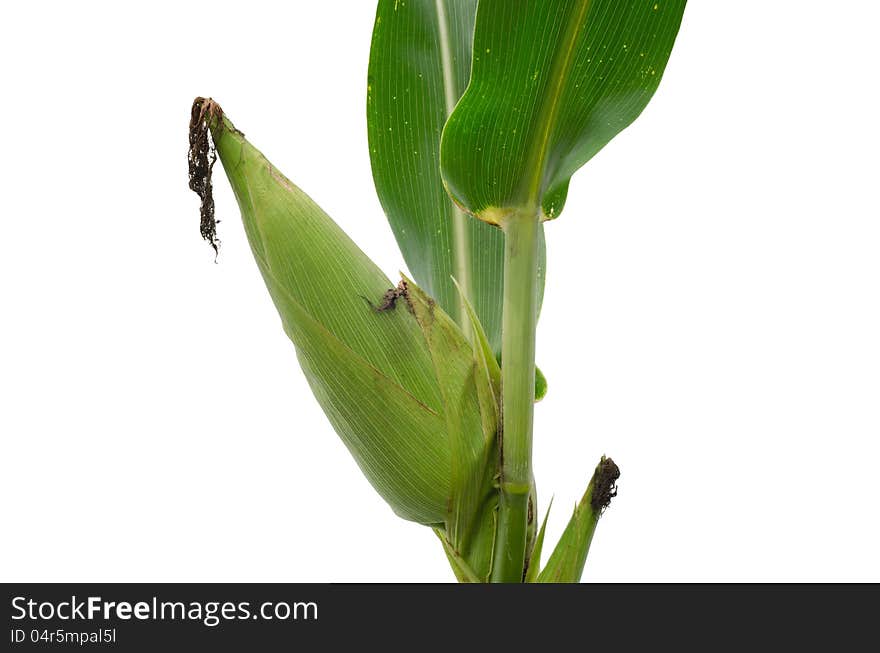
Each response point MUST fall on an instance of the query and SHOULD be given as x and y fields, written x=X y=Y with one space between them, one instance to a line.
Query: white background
x=712 y=314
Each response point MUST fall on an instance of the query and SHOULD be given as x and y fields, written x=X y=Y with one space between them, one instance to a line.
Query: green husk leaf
x=471 y=423
x=419 y=66
x=485 y=356
x=552 y=82
x=566 y=563
x=482 y=349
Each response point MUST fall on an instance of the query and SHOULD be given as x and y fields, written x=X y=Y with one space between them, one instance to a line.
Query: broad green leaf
x=552 y=82
x=399 y=385
x=419 y=66
x=566 y=563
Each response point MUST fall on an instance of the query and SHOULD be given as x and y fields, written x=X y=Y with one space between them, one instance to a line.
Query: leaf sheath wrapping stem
x=517 y=391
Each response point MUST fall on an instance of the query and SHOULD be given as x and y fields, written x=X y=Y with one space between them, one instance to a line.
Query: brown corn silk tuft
x=201 y=157
x=604 y=485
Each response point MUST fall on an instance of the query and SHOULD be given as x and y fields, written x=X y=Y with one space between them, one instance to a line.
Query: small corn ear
x=566 y=563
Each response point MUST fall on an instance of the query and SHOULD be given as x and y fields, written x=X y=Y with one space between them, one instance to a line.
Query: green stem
x=517 y=392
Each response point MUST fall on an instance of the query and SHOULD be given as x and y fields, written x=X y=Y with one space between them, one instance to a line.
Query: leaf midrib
x=460 y=244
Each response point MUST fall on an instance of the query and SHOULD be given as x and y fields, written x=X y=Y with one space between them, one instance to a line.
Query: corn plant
x=478 y=114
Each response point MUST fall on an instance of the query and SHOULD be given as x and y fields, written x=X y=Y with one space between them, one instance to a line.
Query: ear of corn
x=367 y=370
x=398 y=381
